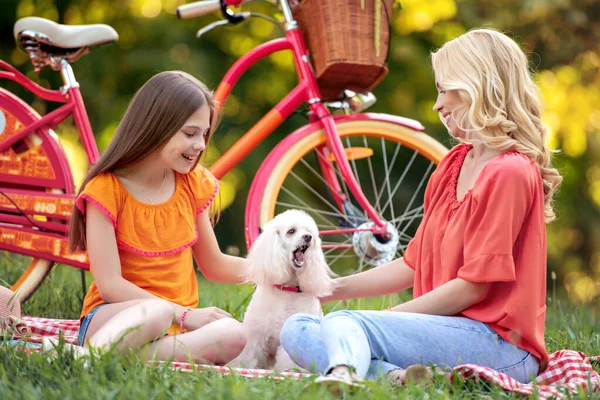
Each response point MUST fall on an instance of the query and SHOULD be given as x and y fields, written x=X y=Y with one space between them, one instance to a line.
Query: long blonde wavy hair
x=500 y=100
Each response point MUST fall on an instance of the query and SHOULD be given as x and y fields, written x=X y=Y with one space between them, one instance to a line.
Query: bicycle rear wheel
x=392 y=163
x=36 y=163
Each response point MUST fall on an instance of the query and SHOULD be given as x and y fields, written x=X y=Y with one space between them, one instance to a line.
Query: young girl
x=141 y=214
x=477 y=263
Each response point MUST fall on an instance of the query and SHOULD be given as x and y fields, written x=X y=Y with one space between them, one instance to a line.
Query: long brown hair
x=155 y=114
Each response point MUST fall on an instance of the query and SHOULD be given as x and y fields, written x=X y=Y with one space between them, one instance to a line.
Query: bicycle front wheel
x=392 y=164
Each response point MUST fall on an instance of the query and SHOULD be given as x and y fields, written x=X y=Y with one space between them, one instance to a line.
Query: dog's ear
x=316 y=276
x=267 y=258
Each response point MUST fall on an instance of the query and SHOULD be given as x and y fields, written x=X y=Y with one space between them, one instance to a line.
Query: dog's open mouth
x=298 y=256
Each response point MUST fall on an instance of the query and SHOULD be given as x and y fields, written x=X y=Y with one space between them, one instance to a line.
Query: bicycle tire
x=266 y=191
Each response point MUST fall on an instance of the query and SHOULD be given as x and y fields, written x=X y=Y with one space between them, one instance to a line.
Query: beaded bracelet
x=183 y=318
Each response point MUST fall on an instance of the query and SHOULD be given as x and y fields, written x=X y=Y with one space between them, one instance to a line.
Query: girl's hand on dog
x=198 y=317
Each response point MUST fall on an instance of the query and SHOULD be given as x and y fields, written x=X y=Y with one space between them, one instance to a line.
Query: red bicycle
x=360 y=175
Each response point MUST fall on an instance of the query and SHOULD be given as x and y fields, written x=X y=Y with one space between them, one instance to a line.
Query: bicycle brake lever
x=211 y=26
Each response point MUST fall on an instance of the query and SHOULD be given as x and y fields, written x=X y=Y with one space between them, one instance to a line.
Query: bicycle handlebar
x=200 y=8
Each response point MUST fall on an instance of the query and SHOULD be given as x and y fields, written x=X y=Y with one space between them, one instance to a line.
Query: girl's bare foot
x=49 y=346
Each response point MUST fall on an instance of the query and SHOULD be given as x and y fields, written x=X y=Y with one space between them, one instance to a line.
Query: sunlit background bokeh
x=562 y=39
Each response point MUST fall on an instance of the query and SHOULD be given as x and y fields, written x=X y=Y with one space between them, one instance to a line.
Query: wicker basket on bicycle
x=348 y=42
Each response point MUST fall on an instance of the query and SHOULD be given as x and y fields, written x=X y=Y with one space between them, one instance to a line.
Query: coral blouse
x=154 y=241
x=496 y=233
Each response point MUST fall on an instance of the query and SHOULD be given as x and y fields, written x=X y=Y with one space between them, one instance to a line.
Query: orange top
x=154 y=241
x=496 y=233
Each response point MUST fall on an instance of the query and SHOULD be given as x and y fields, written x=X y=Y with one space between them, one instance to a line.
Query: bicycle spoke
x=317 y=194
x=410 y=203
x=344 y=187
x=286 y=190
x=346 y=256
x=388 y=169
x=331 y=262
x=319 y=176
x=396 y=152
x=326 y=228
x=398 y=221
x=403 y=237
x=400 y=251
x=338 y=173
x=345 y=242
x=361 y=265
x=377 y=205
x=412 y=199
x=400 y=180
x=309 y=208
x=315 y=173
x=408 y=214
x=353 y=163
x=386 y=182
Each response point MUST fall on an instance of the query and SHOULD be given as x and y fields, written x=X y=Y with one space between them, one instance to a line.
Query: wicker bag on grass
x=348 y=42
x=11 y=326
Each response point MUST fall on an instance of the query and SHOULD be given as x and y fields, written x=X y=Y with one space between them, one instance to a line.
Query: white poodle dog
x=288 y=267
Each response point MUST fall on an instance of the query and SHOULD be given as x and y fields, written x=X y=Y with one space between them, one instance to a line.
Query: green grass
x=112 y=377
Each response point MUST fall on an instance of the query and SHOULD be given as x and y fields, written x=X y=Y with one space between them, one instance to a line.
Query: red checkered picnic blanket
x=568 y=371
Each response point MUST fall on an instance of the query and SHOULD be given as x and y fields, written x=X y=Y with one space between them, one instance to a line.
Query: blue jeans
x=85 y=323
x=376 y=342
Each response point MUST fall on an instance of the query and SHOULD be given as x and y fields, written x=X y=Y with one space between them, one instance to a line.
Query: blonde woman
x=477 y=264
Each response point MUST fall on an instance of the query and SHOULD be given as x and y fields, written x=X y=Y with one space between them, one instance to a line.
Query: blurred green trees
x=561 y=37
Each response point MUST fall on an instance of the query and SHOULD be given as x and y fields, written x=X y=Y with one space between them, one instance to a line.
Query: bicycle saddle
x=64 y=36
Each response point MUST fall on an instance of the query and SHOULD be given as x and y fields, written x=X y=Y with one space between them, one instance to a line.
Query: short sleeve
x=500 y=207
x=204 y=187
x=103 y=192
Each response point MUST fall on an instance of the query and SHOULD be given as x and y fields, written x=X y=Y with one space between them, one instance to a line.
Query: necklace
x=150 y=200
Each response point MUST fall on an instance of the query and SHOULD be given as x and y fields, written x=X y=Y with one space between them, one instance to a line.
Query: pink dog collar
x=295 y=289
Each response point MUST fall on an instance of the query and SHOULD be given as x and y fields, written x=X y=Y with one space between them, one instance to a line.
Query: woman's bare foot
x=339 y=378
x=418 y=373
x=396 y=376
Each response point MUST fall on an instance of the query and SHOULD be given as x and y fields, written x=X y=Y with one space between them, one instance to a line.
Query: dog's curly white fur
x=288 y=252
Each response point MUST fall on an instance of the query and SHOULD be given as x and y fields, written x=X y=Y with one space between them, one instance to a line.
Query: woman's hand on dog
x=198 y=317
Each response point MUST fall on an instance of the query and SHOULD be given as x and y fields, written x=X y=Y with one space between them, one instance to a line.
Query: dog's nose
x=307 y=238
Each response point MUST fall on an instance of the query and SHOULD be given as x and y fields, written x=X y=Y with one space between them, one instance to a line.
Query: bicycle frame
x=307 y=91
x=51 y=244
x=54 y=245
x=74 y=106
